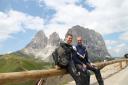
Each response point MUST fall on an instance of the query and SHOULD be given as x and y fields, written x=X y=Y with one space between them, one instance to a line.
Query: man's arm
x=86 y=57
x=87 y=60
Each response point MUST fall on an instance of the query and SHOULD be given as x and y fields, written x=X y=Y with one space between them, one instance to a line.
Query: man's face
x=79 y=40
x=69 y=39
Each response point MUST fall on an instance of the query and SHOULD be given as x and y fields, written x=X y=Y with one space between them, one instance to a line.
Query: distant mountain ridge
x=41 y=46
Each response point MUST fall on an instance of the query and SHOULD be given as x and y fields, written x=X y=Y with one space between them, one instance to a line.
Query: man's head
x=79 y=40
x=69 y=38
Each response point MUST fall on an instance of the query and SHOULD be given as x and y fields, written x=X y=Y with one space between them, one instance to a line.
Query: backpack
x=61 y=55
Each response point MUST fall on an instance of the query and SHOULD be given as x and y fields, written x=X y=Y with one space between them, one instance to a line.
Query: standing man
x=82 y=56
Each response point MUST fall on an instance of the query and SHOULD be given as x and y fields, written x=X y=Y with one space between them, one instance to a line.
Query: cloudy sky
x=21 y=19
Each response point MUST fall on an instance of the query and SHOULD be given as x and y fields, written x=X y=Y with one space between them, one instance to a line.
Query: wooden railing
x=36 y=74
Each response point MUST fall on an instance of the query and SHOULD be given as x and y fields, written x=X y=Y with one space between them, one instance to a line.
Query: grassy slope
x=15 y=62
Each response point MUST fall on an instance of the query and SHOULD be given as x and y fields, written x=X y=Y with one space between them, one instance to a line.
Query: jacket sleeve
x=86 y=57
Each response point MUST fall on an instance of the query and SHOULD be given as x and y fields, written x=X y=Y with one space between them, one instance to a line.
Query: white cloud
x=119 y=50
x=112 y=43
x=124 y=36
x=14 y=21
x=64 y=19
x=108 y=14
x=116 y=48
x=57 y=4
x=60 y=29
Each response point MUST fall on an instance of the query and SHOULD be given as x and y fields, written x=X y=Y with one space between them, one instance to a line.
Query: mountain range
x=41 y=46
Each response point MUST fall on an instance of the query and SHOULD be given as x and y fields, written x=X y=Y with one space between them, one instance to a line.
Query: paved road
x=119 y=78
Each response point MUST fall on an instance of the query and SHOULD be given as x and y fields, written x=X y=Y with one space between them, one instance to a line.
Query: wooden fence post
x=120 y=65
x=126 y=62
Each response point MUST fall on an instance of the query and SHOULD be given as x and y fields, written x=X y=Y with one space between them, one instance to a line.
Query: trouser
x=77 y=75
x=84 y=75
x=97 y=74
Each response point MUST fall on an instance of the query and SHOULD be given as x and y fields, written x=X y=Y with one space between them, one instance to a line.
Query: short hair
x=69 y=35
x=80 y=37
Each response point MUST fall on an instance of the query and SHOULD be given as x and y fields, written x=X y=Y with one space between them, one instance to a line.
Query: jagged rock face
x=92 y=40
x=54 y=39
x=41 y=46
x=39 y=41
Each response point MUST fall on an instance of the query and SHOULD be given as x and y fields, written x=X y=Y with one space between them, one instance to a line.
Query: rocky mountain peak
x=39 y=41
x=54 y=39
x=78 y=27
x=40 y=33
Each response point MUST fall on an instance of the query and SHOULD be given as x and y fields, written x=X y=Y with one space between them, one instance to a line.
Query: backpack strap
x=55 y=56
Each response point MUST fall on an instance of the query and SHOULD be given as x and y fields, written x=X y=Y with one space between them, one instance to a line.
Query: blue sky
x=21 y=19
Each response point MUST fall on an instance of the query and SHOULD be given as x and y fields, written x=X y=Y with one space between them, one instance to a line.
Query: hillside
x=16 y=62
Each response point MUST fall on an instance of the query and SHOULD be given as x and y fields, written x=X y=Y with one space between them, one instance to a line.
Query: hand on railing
x=57 y=67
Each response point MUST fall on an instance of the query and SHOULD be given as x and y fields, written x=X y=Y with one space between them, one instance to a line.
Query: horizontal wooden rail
x=103 y=64
x=36 y=74
x=29 y=75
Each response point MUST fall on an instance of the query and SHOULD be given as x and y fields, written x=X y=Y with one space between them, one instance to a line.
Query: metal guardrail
x=36 y=74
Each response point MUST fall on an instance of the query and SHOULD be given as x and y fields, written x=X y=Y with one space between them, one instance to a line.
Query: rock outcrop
x=54 y=39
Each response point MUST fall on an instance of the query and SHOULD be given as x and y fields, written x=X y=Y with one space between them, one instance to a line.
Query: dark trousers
x=79 y=76
x=84 y=74
x=97 y=74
